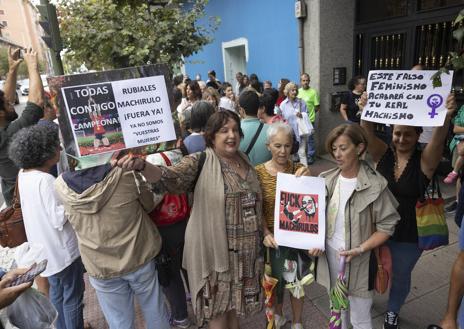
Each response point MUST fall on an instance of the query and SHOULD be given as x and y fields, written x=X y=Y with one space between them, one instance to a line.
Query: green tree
x=106 y=34
x=456 y=59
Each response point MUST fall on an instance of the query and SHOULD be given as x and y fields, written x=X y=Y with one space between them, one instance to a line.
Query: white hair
x=277 y=127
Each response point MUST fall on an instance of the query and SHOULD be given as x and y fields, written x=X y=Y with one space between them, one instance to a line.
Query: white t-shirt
x=347 y=186
x=227 y=104
x=45 y=222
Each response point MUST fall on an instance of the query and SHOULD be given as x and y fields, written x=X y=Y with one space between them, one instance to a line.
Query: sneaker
x=451 y=207
x=451 y=178
x=185 y=323
x=391 y=321
x=297 y=326
x=279 y=321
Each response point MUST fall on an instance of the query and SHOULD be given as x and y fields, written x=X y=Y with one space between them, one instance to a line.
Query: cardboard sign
x=406 y=98
x=299 y=215
x=114 y=110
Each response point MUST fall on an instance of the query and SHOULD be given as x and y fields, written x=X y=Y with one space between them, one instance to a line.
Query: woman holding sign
x=223 y=240
x=405 y=167
x=279 y=143
x=361 y=215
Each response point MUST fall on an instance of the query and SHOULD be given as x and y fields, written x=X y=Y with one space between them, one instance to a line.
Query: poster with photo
x=406 y=98
x=102 y=112
x=299 y=214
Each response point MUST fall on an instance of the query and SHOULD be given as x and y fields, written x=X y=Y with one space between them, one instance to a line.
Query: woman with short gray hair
x=36 y=150
x=279 y=142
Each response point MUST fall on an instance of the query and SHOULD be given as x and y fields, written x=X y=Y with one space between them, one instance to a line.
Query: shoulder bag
x=432 y=230
x=12 y=232
x=383 y=262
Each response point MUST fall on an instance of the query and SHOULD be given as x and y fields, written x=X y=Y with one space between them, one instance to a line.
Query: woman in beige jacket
x=361 y=215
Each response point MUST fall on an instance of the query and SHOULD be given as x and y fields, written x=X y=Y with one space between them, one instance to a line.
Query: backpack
x=174 y=208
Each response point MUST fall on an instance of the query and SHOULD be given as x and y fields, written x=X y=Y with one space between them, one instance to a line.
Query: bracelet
x=361 y=250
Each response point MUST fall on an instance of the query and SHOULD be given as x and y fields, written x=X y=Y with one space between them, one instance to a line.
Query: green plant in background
x=456 y=60
x=108 y=34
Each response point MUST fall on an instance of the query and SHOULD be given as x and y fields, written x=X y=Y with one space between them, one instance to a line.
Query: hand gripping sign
x=406 y=98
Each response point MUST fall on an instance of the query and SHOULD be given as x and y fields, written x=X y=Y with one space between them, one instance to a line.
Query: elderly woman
x=36 y=150
x=294 y=110
x=279 y=142
x=407 y=170
x=223 y=240
x=361 y=215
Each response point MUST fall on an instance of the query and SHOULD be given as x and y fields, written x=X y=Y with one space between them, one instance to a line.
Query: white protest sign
x=406 y=97
x=299 y=214
x=120 y=114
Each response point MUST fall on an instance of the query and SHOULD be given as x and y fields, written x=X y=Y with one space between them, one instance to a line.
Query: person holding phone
x=9 y=294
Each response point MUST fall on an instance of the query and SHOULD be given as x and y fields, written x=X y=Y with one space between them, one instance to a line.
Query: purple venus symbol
x=434 y=101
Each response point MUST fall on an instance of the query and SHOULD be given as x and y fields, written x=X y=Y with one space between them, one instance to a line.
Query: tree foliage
x=456 y=59
x=115 y=34
x=22 y=69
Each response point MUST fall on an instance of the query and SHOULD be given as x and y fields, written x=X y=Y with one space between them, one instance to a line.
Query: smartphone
x=30 y=275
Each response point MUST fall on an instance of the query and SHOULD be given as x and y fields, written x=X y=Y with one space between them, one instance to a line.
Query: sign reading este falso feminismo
x=299 y=214
x=406 y=98
x=121 y=114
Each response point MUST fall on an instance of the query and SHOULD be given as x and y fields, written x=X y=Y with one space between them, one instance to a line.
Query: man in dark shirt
x=9 y=121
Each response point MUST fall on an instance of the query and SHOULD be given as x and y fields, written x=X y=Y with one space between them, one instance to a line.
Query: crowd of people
x=102 y=215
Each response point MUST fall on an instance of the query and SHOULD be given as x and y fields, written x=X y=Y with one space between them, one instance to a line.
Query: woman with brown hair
x=223 y=240
x=281 y=87
x=360 y=216
x=408 y=171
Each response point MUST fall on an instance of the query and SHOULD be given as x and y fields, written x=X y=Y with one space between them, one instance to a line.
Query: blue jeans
x=116 y=298
x=404 y=257
x=311 y=148
x=66 y=294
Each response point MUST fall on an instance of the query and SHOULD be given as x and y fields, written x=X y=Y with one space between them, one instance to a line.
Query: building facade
x=259 y=36
x=340 y=39
x=20 y=24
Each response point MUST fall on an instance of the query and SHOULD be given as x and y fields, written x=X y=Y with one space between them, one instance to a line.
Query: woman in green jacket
x=361 y=215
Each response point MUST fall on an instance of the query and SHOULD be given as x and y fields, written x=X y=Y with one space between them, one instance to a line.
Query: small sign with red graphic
x=299 y=220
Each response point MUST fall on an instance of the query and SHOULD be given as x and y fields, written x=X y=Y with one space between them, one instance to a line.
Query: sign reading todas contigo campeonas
x=406 y=98
x=119 y=113
x=299 y=215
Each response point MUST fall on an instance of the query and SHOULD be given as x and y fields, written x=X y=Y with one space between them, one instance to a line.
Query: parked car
x=24 y=87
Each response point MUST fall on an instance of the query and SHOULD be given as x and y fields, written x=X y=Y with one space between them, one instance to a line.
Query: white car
x=24 y=87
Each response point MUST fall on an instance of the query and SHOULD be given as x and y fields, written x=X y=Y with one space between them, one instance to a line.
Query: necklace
x=232 y=163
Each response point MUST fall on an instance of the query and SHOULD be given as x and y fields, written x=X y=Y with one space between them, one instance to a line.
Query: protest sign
x=103 y=112
x=299 y=214
x=406 y=98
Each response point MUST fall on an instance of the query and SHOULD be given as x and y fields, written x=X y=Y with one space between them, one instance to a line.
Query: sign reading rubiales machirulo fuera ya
x=103 y=112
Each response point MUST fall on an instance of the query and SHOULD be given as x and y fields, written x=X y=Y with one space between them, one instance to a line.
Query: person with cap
x=107 y=208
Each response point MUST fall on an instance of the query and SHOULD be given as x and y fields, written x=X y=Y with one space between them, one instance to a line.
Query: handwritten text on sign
x=406 y=98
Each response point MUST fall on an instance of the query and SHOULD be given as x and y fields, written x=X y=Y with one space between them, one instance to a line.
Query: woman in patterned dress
x=223 y=240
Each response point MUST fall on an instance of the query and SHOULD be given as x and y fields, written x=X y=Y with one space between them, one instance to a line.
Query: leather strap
x=255 y=137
